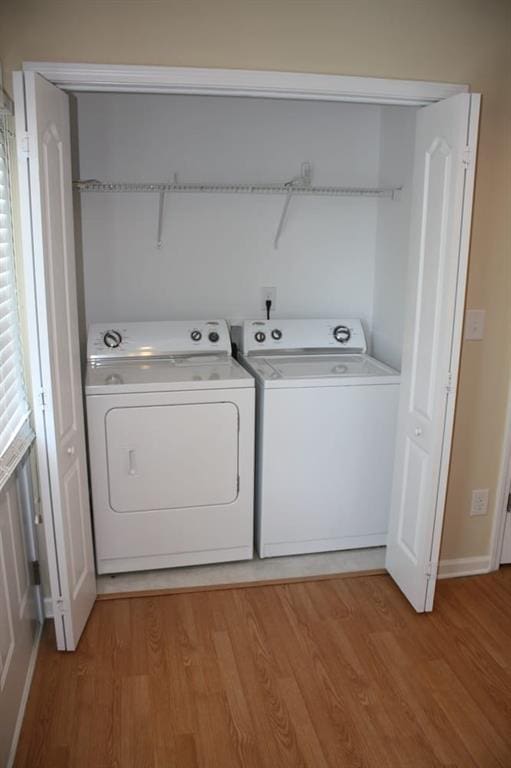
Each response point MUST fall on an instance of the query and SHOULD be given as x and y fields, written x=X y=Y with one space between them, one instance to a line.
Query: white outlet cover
x=474 y=324
x=479 y=504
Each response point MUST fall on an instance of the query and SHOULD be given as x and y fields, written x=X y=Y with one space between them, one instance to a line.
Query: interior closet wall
x=217 y=250
x=392 y=234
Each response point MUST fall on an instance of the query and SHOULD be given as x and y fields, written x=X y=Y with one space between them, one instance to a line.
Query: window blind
x=15 y=432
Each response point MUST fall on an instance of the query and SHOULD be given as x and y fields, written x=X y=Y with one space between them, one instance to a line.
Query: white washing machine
x=326 y=422
x=171 y=445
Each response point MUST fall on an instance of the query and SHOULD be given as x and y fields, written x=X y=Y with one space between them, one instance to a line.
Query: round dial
x=112 y=338
x=260 y=337
x=213 y=336
x=276 y=334
x=196 y=335
x=342 y=334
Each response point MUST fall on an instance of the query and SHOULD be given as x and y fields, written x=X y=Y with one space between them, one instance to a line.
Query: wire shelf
x=300 y=185
x=258 y=189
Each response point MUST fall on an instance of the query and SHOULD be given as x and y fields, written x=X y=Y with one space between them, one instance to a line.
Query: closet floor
x=269 y=569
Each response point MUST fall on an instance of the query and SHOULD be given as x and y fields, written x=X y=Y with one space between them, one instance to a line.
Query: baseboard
x=464 y=566
x=24 y=698
x=48 y=608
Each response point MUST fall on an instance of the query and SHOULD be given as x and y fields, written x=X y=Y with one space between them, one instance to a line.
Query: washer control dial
x=342 y=334
x=196 y=335
x=213 y=337
x=276 y=334
x=112 y=338
x=260 y=336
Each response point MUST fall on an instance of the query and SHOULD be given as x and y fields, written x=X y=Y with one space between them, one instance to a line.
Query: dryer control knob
x=260 y=337
x=276 y=334
x=342 y=334
x=213 y=336
x=196 y=335
x=112 y=339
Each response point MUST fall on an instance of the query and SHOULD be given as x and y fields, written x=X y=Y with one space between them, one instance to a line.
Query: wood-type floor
x=336 y=673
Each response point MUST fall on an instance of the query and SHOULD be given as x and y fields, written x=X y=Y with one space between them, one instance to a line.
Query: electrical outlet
x=268 y=293
x=479 y=502
x=474 y=324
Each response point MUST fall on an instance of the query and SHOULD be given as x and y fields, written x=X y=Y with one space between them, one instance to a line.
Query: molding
x=241 y=82
x=24 y=697
x=463 y=566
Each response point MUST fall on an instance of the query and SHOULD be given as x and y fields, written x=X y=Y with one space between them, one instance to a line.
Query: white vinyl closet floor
x=271 y=568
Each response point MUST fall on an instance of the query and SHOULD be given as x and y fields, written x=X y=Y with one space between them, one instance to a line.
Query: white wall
x=396 y=163
x=218 y=249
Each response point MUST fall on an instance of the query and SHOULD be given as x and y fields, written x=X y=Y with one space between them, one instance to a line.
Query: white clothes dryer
x=171 y=433
x=326 y=422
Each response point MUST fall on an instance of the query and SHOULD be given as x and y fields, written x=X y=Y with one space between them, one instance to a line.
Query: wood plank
x=320 y=673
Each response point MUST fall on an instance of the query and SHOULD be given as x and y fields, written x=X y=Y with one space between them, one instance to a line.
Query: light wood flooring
x=338 y=673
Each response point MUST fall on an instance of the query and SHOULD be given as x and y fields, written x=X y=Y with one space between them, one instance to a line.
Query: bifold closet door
x=44 y=162
x=443 y=181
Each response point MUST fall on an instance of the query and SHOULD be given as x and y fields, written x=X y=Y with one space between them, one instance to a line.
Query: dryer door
x=172 y=456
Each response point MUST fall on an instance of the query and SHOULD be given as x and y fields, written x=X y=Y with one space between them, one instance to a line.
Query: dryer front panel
x=172 y=477
x=172 y=456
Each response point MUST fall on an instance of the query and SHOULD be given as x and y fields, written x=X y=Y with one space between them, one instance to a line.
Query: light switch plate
x=474 y=324
x=479 y=502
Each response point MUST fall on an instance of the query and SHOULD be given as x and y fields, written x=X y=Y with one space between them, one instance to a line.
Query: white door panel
x=172 y=456
x=441 y=208
x=48 y=240
x=19 y=623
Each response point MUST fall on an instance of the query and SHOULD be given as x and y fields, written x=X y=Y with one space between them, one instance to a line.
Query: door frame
x=242 y=82
x=77 y=77
x=503 y=489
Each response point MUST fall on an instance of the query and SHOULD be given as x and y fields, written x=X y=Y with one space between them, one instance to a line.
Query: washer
x=326 y=422
x=171 y=433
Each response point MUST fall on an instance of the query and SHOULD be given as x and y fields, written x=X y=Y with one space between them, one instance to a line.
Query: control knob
x=112 y=339
x=276 y=334
x=213 y=337
x=342 y=334
x=196 y=335
x=260 y=336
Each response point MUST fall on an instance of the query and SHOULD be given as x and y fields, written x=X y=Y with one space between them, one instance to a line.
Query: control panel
x=107 y=341
x=336 y=334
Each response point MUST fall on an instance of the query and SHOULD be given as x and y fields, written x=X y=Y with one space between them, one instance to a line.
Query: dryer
x=326 y=423
x=170 y=420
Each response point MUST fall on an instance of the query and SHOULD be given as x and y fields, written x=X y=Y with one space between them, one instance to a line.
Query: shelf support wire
x=303 y=181
x=164 y=189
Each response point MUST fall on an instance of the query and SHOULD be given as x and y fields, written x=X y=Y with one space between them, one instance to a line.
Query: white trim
x=241 y=82
x=48 y=607
x=503 y=487
x=24 y=697
x=463 y=566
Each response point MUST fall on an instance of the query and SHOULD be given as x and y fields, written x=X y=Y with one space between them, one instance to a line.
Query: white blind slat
x=14 y=409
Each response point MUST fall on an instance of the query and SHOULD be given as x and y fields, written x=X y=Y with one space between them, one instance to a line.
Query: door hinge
x=448 y=385
x=431 y=570
x=237 y=485
x=25 y=144
x=508 y=508
x=36 y=573
x=42 y=399
x=466 y=157
x=60 y=605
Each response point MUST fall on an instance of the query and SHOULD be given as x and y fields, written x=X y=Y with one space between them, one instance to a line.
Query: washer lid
x=172 y=374
x=321 y=370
